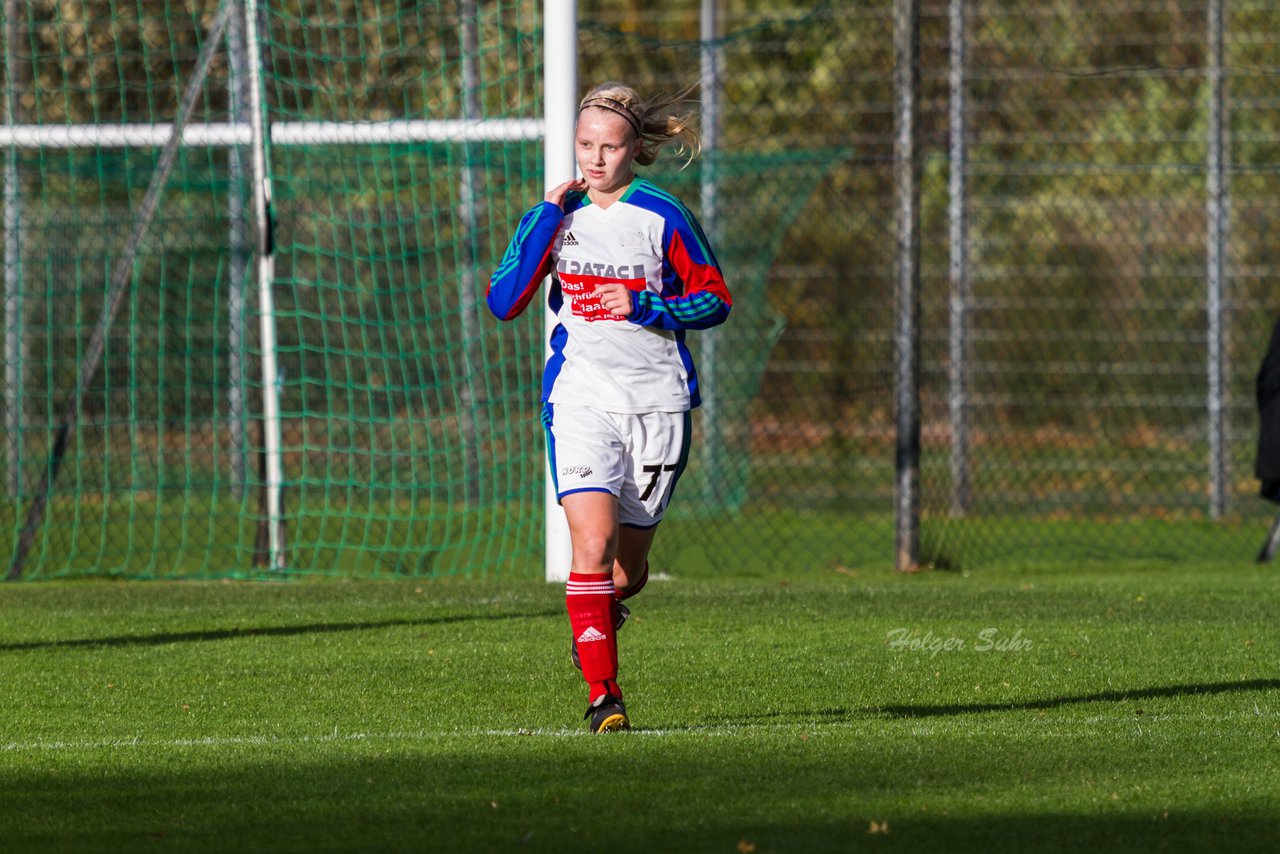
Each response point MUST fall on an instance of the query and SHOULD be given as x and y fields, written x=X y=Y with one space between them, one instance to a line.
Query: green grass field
x=822 y=710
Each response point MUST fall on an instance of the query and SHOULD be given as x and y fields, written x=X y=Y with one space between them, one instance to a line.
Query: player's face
x=606 y=146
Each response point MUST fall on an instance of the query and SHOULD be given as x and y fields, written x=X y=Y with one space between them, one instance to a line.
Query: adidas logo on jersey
x=569 y=239
x=591 y=634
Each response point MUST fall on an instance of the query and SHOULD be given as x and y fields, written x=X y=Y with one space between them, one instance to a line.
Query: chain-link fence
x=1096 y=279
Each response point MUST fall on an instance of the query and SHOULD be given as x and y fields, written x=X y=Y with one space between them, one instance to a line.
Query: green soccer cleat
x=607 y=714
x=622 y=613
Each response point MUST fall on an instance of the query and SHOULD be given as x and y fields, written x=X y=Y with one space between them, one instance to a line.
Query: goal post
x=560 y=39
x=272 y=469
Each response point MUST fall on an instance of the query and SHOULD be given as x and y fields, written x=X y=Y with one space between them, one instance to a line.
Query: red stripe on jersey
x=530 y=288
x=580 y=291
x=696 y=277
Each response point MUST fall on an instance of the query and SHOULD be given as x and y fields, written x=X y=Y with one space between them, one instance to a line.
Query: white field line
x=424 y=735
x=266 y=740
x=814 y=729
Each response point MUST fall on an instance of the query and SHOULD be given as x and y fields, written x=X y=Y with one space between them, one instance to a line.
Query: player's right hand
x=556 y=194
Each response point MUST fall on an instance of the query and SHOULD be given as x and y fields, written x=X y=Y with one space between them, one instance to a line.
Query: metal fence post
x=14 y=347
x=710 y=67
x=1216 y=274
x=906 y=173
x=960 y=295
x=468 y=214
x=238 y=213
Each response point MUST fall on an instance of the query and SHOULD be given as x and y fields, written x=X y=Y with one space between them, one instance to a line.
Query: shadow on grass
x=236 y=632
x=923 y=711
x=522 y=799
x=838 y=715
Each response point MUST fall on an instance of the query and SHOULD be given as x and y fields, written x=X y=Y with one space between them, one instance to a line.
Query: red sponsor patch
x=580 y=292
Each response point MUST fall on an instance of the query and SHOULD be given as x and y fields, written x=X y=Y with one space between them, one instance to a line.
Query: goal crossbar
x=226 y=134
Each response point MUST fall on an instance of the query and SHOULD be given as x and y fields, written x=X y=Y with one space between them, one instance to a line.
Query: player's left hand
x=614 y=297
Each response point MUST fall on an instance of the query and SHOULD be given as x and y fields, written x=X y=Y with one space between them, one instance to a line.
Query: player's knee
x=594 y=552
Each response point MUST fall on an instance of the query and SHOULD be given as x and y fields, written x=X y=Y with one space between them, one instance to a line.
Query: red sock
x=634 y=587
x=589 y=600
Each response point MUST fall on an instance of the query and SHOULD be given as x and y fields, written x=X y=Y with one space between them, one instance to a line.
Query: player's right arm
x=526 y=262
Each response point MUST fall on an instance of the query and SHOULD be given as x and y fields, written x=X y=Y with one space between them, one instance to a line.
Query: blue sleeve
x=702 y=310
x=526 y=262
x=694 y=295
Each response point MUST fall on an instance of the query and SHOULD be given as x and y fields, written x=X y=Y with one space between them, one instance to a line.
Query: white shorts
x=637 y=458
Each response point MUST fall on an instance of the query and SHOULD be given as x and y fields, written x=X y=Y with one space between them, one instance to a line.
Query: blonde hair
x=653 y=122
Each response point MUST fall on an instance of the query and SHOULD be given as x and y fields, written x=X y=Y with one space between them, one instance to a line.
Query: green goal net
x=400 y=152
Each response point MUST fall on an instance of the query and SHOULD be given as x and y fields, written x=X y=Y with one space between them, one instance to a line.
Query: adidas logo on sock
x=569 y=239
x=591 y=634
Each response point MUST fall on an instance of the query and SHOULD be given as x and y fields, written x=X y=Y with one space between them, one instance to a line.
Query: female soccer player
x=632 y=273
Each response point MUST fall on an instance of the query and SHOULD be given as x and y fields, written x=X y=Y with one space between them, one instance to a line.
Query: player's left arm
x=696 y=295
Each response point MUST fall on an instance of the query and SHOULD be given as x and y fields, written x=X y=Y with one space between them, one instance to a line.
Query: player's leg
x=631 y=566
x=589 y=599
x=630 y=573
x=658 y=451
x=630 y=552
x=585 y=454
x=593 y=530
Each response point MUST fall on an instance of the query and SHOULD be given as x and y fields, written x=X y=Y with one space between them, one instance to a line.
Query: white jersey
x=646 y=240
